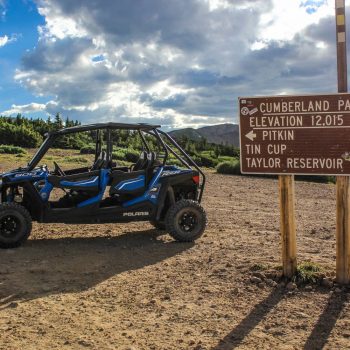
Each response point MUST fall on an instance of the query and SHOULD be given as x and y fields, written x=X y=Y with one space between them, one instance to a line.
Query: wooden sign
x=295 y=134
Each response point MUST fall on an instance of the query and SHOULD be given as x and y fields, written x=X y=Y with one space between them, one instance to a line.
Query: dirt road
x=132 y=287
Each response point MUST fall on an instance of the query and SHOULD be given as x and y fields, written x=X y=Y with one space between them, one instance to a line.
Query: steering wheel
x=58 y=170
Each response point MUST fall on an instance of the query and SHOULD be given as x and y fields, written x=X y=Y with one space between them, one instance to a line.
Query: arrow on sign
x=251 y=135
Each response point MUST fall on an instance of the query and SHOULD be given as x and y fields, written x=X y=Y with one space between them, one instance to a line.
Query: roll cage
x=164 y=140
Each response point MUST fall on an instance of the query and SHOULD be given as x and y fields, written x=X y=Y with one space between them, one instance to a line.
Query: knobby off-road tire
x=186 y=220
x=15 y=225
x=159 y=225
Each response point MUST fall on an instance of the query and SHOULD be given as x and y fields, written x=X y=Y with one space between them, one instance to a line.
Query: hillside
x=219 y=134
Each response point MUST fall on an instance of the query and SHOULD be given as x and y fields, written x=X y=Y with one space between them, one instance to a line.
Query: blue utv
x=168 y=196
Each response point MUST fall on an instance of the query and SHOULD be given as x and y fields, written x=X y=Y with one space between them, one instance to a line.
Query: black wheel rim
x=188 y=221
x=10 y=226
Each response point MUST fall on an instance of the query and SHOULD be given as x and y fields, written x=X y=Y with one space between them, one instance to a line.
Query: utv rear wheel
x=160 y=225
x=15 y=225
x=186 y=220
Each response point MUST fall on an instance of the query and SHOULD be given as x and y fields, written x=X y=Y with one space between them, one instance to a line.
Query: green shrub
x=208 y=162
x=19 y=135
x=205 y=161
x=174 y=161
x=11 y=149
x=232 y=168
x=71 y=141
x=87 y=149
x=307 y=272
x=119 y=153
x=132 y=155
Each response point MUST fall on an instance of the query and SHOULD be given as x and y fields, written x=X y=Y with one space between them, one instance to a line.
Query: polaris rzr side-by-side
x=150 y=189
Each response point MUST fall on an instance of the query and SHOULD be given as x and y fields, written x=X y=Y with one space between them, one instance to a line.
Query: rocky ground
x=131 y=287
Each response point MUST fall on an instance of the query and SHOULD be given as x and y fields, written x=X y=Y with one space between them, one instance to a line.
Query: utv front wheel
x=186 y=220
x=15 y=225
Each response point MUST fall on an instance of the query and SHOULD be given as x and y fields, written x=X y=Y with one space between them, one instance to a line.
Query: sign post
x=287 y=225
x=343 y=187
x=287 y=135
x=308 y=134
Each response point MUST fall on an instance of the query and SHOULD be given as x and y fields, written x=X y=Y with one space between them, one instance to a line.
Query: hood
x=22 y=174
x=14 y=171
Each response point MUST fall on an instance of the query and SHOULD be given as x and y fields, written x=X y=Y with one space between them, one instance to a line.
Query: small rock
x=261 y=285
x=84 y=343
x=13 y=305
x=313 y=232
x=281 y=285
x=271 y=282
x=259 y=275
x=338 y=290
x=46 y=289
x=254 y=279
x=198 y=347
x=327 y=282
x=291 y=286
x=235 y=291
x=308 y=288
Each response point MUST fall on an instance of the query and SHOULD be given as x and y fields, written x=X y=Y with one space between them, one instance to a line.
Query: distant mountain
x=220 y=134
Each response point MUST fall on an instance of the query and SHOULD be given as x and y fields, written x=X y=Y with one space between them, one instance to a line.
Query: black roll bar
x=109 y=145
x=188 y=158
x=172 y=152
x=98 y=144
x=144 y=141
x=163 y=144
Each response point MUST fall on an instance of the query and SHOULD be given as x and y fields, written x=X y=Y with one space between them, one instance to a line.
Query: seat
x=141 y=162
x=88 y=181
x=132 y=183
x=101 y=161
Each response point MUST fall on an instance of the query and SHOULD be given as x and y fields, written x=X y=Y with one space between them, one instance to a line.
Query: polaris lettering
x=137 y=213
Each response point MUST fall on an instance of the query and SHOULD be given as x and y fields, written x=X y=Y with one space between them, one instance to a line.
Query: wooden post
x=343 y=189
x=343 y=229
x=287 y=225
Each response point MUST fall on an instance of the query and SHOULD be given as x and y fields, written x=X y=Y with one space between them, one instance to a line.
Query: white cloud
x=288 y=18
x=182 y=62
x=5 y=40
x=28 y=108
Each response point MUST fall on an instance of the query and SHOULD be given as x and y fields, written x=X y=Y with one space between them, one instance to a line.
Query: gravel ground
x=129 y=286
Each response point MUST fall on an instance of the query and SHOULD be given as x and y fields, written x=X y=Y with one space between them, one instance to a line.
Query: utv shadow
x=69 y=265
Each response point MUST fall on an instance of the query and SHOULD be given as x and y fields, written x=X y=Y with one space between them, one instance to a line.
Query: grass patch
x=8 y=149
x=226 y=159
x=75 y=160
x=259 y=267
x=307 y=272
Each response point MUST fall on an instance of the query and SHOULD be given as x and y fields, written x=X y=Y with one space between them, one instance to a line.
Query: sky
x=177 y=63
